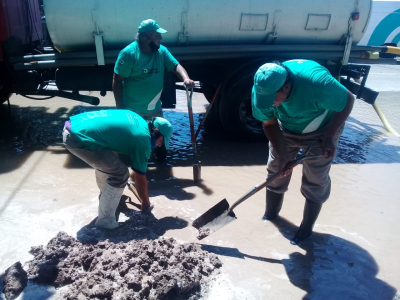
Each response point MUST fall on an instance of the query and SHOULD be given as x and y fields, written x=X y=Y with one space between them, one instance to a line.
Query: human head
x=150 y=32
x=160 y=126
x=272 y=85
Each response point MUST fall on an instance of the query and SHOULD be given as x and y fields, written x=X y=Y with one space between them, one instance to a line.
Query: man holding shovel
x=299 y=102
x=139 y=74
x=95 y=136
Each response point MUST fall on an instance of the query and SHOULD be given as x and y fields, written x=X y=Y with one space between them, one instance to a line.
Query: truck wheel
x=5 y=83
x=236 y=113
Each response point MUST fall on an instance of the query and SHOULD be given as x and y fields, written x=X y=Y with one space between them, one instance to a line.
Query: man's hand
x=189 y=83
x=328 y=148
x=141 y=187
x=283 y=160
x=275 y=136
x=183 y=75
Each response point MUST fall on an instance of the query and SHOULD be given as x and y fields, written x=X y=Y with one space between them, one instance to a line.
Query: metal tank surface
x=72 y=23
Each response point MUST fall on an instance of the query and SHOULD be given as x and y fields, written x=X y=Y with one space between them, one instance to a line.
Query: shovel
x=221 y=214
x=197 y=166
x=132 y=188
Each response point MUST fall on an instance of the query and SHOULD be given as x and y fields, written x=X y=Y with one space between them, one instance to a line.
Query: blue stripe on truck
x=385 y=28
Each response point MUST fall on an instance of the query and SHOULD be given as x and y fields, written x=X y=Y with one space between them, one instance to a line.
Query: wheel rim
x=246 y=116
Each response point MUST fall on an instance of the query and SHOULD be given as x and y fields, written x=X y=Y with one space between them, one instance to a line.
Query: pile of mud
x=143 y=269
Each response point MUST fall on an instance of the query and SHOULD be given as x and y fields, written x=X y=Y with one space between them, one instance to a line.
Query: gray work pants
x=316 y=182
x=149 y=116
x=102 y=160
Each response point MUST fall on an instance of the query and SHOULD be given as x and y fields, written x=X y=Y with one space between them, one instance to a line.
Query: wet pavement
x=353 y=254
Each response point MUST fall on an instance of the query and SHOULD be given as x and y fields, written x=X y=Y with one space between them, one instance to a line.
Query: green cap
x=165 y=128
x=150 y=25
x=268 y=79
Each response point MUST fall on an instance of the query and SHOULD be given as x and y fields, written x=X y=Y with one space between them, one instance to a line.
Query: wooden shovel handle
x=262 y=185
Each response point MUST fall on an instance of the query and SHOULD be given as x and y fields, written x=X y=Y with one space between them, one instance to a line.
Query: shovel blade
x=211 y=214
x=216 y=224
x=214 y=219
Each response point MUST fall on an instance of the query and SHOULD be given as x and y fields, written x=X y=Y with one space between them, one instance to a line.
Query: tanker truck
x=62 y=48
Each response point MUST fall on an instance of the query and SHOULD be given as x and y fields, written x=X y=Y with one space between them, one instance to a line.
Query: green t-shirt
x=122 y=131
x=144 y=76
x=315 y=96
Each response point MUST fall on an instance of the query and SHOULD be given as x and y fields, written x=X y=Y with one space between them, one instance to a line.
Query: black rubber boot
x=310 y=215
x=161 y=153
x=122 y=207
x=273 y=205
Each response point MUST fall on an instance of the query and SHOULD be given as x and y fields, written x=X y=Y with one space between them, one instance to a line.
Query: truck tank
x=220 y=43
x=228 y=22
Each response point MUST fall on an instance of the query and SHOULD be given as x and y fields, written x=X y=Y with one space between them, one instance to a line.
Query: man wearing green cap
x=139 y=72
x=299 y=102
x=93 y=136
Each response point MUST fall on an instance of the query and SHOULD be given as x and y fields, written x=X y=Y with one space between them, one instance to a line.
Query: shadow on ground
x=163 y=182
x=234 y=252
x=331 y=268
x=139 y=226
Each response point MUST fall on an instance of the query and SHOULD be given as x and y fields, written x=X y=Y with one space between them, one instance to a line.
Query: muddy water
x=353 y=255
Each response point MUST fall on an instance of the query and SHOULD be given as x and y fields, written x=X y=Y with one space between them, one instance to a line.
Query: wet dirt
x=144 y=269
x=15 y=280
x=203 y=233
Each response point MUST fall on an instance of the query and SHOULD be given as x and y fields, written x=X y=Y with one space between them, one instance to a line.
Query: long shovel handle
x=190 y=110
x=260 y=186
x=132 y=188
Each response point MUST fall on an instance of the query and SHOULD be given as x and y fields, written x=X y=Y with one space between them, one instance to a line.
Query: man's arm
x=141 y=187
x=183 y=75
x=118 y=88
x=275 y=136
x=328 y=146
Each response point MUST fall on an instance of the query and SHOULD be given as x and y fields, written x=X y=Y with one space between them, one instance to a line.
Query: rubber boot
x=100 y=179
x=161 y=153
x=108 y=204
x=310 y=215
x=274 y=203
x=122 y=207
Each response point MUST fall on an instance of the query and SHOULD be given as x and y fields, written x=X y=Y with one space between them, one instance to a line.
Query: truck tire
x=236 y=113
x=212 y=124
x=5 y=83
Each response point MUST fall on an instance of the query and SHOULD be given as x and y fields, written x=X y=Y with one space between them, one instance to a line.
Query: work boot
x=122 y=207
x=274 y=203
x=108 y=204
x=100 y=179
x=161 y=153
x=310 y=215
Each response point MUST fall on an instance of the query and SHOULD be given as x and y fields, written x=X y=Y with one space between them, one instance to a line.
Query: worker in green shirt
x=299 y=102
x=139 y=74
x=95 y=136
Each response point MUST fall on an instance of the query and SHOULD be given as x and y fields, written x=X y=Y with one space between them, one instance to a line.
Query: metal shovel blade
x=214 y=219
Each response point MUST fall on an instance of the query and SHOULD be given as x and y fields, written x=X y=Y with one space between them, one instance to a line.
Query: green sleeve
x=139 y=159
x=334 y=95
x=169 y=61
x=124 y=63
x=264 y=115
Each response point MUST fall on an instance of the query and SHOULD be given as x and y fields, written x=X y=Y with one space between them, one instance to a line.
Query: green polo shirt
x=314 y=98
x=144 y=76
x=122 y=131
